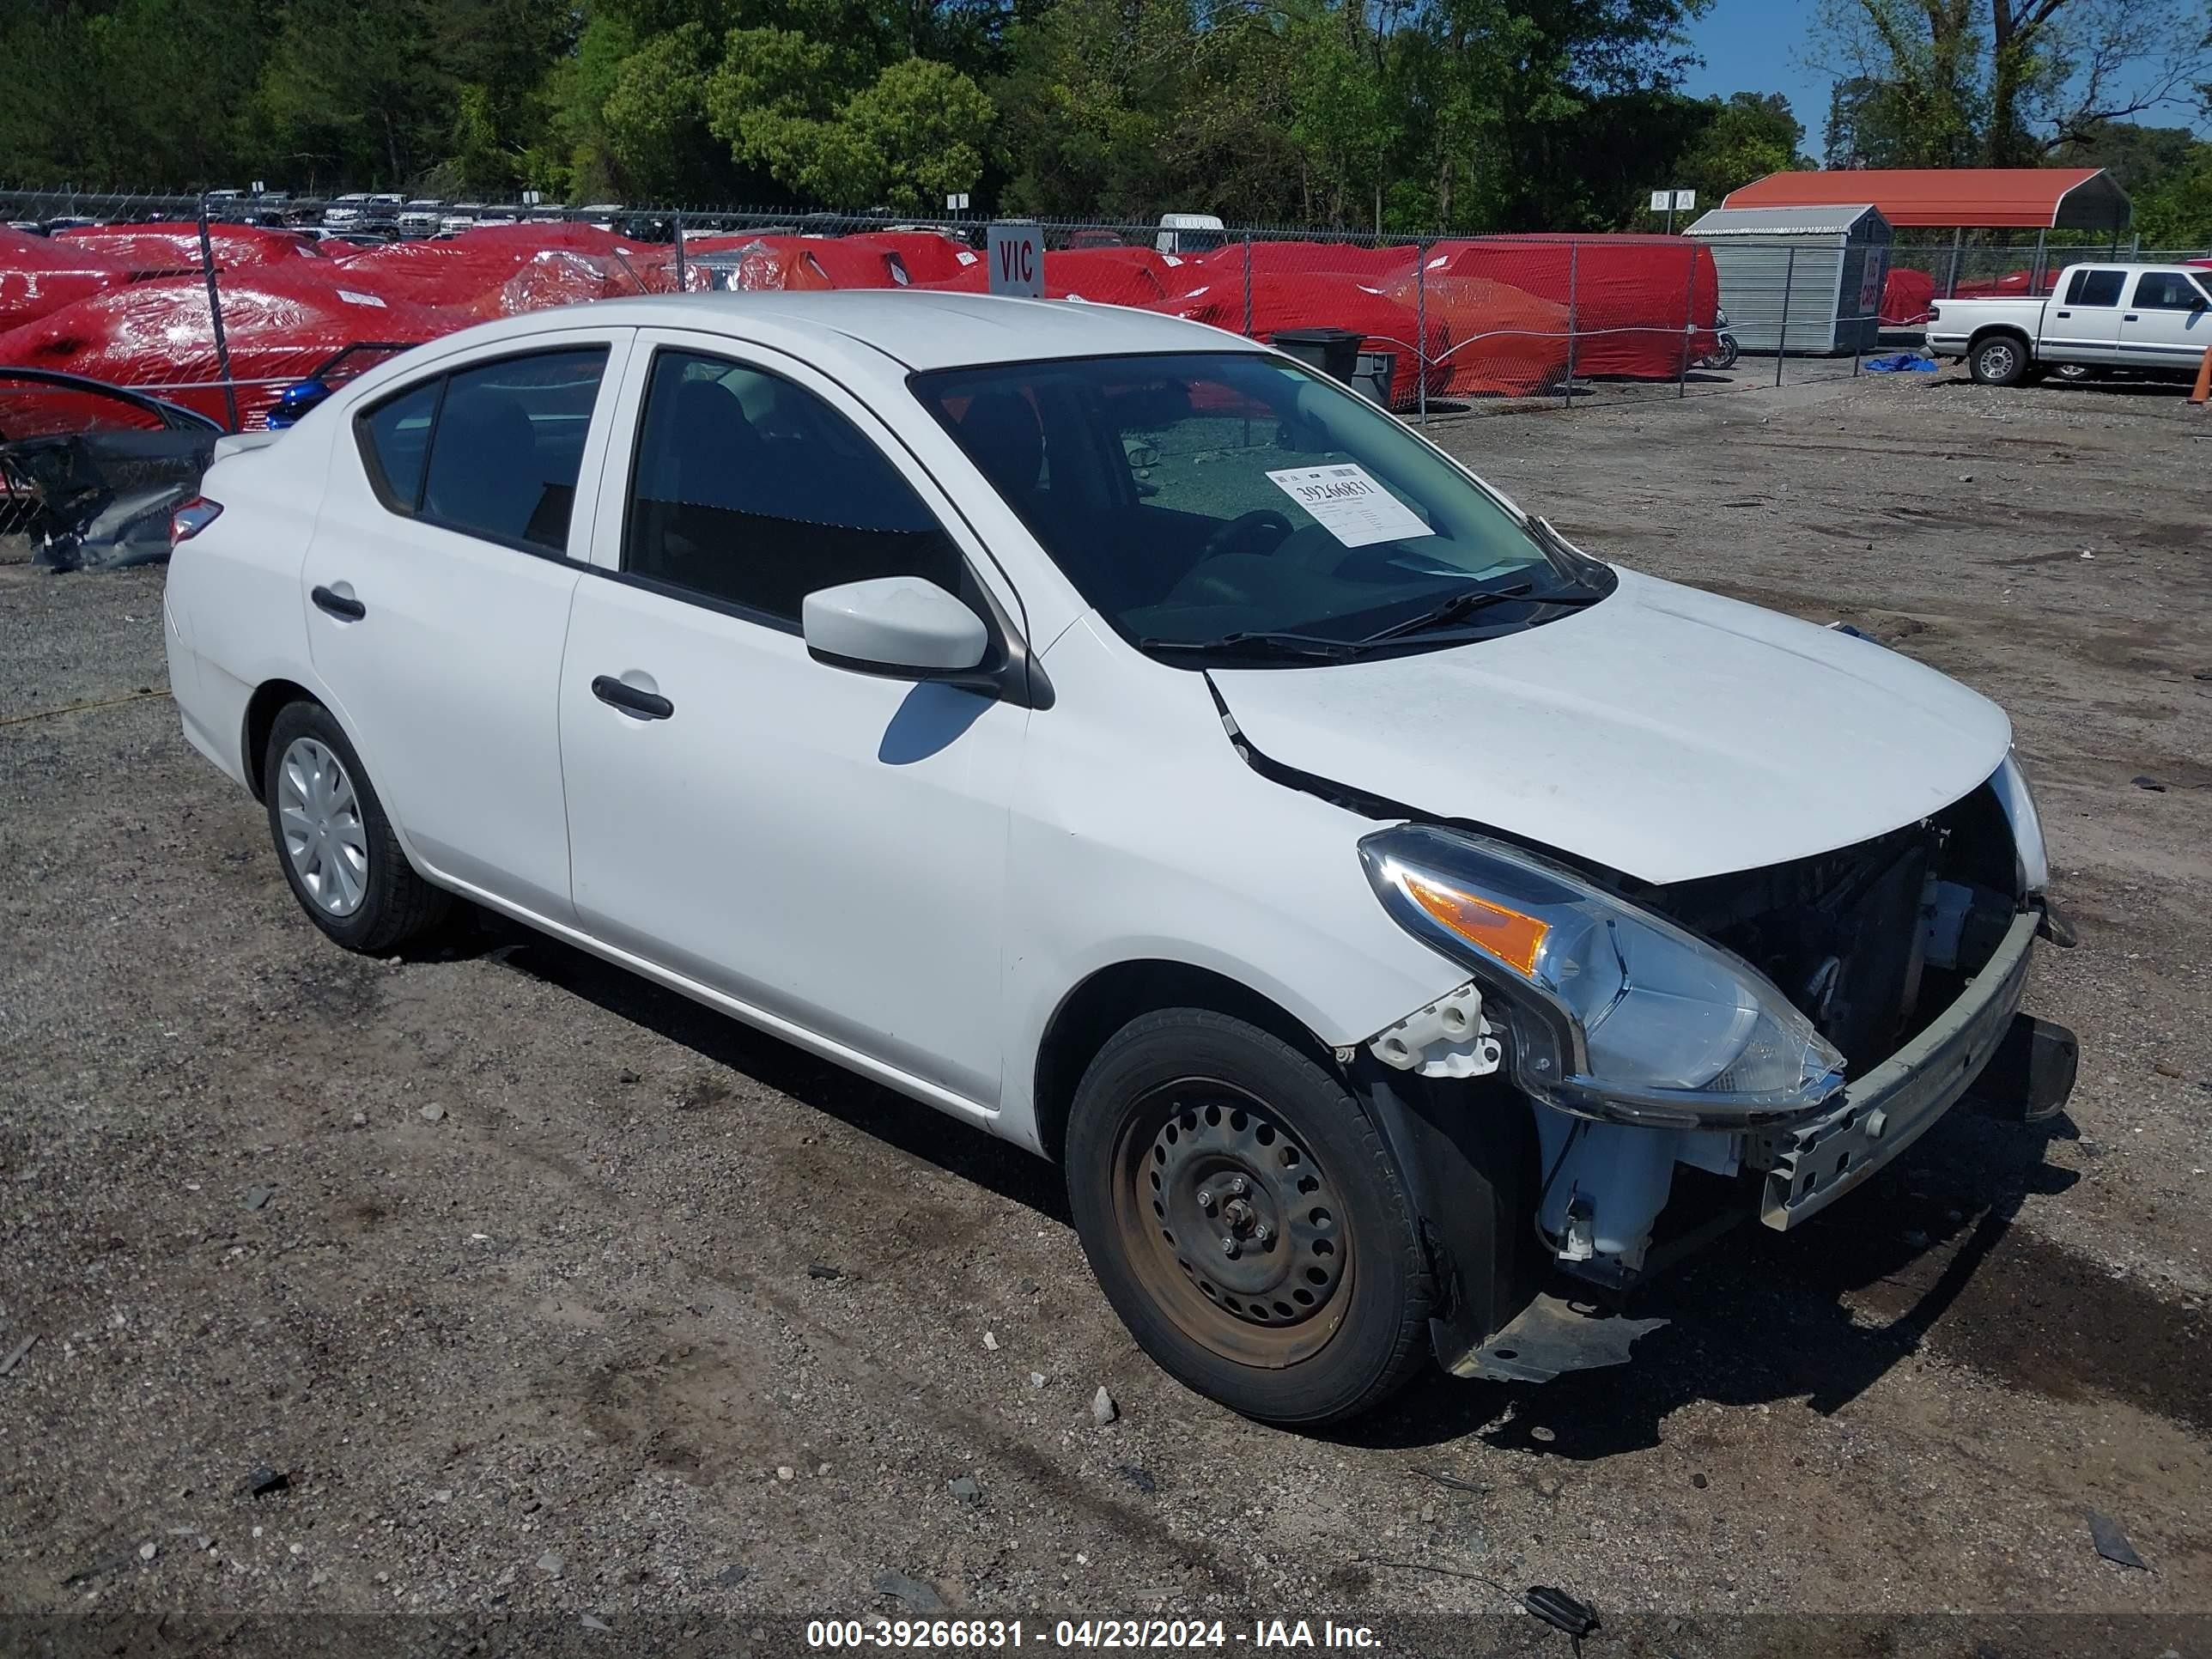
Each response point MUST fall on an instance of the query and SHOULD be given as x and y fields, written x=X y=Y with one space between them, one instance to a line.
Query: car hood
x=1666 y=733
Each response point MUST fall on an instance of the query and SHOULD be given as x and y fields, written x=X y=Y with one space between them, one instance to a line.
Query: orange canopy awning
x=2057 y=198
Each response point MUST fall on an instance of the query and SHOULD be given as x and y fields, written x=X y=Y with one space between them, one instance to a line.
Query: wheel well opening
x=261 y=711
x=2009 y=331
x=1114 y=996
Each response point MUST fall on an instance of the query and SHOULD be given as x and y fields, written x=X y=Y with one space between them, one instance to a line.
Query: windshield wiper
x=1459 y=605
x=1259 y=644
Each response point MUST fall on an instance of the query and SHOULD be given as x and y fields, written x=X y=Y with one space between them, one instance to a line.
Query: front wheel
x=1246 y=1219
x=1724 y=355
x=2001 y=360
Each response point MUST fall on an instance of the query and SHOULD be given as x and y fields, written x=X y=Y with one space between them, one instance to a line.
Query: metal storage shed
x=1799 y=278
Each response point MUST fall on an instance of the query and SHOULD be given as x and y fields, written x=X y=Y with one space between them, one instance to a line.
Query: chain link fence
x=219 y=301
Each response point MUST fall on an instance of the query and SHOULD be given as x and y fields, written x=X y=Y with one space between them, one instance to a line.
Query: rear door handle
x=646 y=705
x=338 y=604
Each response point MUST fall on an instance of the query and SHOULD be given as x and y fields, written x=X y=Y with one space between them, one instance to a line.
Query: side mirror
x=900 y=626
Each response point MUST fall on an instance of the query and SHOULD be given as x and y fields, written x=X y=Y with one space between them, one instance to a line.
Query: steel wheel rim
x=318 y=815
x=1276 y=1300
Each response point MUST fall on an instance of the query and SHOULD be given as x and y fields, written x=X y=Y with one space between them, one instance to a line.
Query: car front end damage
x=1786 y=1032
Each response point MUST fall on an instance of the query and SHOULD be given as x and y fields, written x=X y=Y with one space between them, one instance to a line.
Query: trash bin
x=1373 y=376
x=1334 y=351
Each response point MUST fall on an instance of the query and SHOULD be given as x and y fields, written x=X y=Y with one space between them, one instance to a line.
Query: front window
x=2167 y=290
x=1232 y=506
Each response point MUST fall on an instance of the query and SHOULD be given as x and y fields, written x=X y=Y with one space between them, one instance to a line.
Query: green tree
x=355 y=86
x=2005 y=83
x=918 y=129
x=809 y=114
x=1347 y=112
x=1747 y=136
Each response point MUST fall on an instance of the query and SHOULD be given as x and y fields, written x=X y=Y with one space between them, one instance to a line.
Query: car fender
x=1140 y=834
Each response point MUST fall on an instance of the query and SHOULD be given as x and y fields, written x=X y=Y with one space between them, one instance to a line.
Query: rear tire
x=1192 y=1131
x=333 y=842
x=2001 y=360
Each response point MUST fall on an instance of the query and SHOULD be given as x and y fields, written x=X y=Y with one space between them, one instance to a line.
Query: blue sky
x=1756 y=46
x=1759 y=46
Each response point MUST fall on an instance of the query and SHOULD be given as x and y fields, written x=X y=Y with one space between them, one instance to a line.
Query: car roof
x=923 y=330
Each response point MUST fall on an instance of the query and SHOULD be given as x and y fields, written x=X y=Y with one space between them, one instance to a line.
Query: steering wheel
x=1238 y=529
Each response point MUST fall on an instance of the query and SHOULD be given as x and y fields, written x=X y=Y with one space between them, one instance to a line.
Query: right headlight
x=1611 y=1011
x=2032 y=859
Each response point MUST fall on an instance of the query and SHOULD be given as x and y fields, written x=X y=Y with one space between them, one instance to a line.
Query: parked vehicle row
x=1129 y=741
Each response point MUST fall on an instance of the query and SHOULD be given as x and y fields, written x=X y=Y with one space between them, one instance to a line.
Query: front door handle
x=2130 y=317
x=338 y=604
x=646 y=705
x=2065 y=314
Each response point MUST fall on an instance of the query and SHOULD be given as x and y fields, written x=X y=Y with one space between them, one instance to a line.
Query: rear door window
x=508 y=444
x=493 y=450
x=395 y=440
x=2096 y=287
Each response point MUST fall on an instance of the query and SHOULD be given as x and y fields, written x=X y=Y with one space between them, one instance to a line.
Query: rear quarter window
x=395 y=441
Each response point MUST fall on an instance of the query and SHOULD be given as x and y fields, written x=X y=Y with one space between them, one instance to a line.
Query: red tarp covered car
x=1502 y=342
x=1639 y=302
x=162 y=249
x=38 y=275
x=1372 y=264
x=1106 y=277
x=929 y=256
x=800 y=263
x=484 y=280
x=1906 y=294
x=280 y=325
x=1321 y=299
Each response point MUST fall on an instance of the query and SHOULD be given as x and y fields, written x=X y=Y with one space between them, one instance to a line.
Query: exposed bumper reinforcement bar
x=1881 y=1114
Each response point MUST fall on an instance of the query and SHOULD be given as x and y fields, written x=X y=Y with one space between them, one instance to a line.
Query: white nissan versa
x=1108 y=731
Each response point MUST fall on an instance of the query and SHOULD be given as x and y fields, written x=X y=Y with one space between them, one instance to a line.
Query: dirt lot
x=552 y=1296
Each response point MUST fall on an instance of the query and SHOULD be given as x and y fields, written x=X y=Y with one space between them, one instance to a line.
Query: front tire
x=1246 y=1219
x=333 y=842
x=2001 y=360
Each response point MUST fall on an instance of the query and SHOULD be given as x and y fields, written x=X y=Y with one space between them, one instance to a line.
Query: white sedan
x=1115 y=735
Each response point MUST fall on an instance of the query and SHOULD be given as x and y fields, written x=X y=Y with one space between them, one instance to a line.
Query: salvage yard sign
x=1016 y=257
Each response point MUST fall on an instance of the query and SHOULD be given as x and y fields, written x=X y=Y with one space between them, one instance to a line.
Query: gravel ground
x=543 y=1301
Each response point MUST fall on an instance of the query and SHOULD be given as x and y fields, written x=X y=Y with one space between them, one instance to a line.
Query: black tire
x=1334 y=1291
x=1724 y=355
x=396 y=906
x=1999 y=359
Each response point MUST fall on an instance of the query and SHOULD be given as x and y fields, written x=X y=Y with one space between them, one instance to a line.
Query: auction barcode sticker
x=1349 y=504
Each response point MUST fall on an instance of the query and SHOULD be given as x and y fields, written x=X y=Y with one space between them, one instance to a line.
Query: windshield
x=1233 y=504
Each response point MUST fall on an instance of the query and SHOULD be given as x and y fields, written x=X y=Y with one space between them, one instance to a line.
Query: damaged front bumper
x=1606 y=1184
x=1810 y=1165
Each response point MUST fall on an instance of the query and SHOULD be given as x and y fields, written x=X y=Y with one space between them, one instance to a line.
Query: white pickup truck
x=2098 y=317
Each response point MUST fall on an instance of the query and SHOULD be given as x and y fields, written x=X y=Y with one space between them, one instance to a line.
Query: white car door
x=2082 y=323
x=438 y=581
x=826 y=848
x=2167 y=320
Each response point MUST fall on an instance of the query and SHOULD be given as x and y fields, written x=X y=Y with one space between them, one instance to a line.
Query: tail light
x=190 y=518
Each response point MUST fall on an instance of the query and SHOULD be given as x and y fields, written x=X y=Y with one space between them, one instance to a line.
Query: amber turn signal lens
x=1511 y=937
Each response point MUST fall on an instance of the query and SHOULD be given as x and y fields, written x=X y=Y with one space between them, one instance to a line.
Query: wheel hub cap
x=1246 y=1211
x=325 y=840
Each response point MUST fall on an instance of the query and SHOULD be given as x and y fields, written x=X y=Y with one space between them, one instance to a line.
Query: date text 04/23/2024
x=926 y=1635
